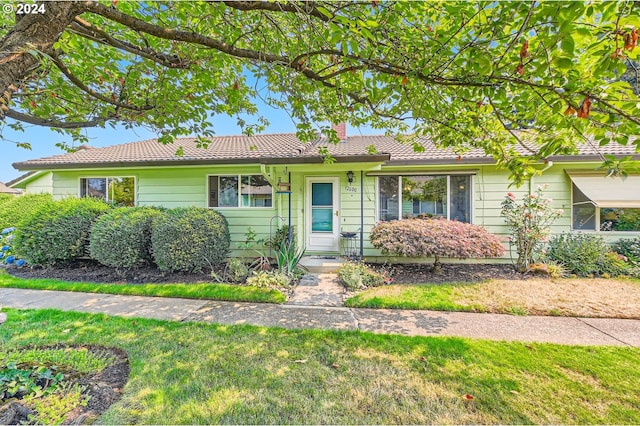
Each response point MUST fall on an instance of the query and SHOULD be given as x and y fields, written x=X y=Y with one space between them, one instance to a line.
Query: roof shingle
x=270 y=149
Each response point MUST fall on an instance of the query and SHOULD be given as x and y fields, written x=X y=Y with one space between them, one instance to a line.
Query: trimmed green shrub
x=426 y=237
x=58 y=231
x=629 y=248
x=358 y=276
x=268 y=279
x=189 y=239
x=235 y=271
x=121 y=238
x=4 y=198
x=16 y=209
x=585 y=254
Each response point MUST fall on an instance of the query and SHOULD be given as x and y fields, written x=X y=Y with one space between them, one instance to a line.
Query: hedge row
x=181 y=239
x=58 y=231
x=14 y=209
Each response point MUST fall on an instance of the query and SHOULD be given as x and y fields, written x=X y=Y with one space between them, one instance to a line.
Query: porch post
x=289 y=231
x=361 y=214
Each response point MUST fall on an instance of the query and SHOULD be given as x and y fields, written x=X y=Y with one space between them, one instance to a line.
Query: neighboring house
x=4 y=189
x=267 y=180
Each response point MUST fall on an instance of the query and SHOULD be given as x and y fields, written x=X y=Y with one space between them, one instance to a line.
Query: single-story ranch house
x=266 y=181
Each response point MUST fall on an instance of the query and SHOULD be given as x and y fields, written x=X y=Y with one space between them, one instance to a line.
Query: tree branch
x=75 y=80
x=88 y=30
x=520 y=31
x=504 y=125
x=309 y=8
x=184 y=36
x=54 y=123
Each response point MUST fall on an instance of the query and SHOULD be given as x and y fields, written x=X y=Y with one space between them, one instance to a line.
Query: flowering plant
x=530 y=222
x=6 y=250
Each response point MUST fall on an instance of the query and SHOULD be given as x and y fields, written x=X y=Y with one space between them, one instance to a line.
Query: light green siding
x=40 y=184
x=188 y=186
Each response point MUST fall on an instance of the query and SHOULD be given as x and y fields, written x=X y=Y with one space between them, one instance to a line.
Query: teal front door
x=323 y=214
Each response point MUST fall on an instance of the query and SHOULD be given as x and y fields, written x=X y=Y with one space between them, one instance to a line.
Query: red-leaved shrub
x=435 y=238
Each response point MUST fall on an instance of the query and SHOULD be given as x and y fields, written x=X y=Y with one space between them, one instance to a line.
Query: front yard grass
x=186 y=373
x=584 y=297
x=228 y=292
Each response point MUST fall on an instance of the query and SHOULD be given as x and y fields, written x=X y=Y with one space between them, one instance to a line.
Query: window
x=429 y=195
x=240 y=191
x=588 y=216
x=116 y=190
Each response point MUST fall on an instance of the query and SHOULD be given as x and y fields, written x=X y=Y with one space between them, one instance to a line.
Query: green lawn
x=229 y=292
x=440 y=297
x=186 y=373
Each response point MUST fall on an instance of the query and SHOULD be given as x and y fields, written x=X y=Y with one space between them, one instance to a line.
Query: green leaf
x=568 y=45
x=563 y=63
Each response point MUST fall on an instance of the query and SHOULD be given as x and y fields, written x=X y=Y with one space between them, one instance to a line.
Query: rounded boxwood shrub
x=437 y=238
x=121 y=238
x=189 y=239
x=58 y=231
x=19 y=208
x=4 y=198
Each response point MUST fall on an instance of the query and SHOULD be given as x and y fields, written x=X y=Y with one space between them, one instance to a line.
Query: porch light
x=350 y=176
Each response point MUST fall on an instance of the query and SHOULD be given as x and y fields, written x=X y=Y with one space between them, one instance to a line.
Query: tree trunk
x=38 y=32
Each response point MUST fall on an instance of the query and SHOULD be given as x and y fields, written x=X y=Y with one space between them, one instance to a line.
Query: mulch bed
x=449 y=273
x=94 y=272
x=103 y=388
x=91 y=271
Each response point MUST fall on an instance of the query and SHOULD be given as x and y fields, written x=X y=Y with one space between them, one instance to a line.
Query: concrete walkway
x=571 y=331
x=318 y=290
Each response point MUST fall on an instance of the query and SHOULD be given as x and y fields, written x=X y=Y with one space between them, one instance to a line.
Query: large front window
x=447 y=196
x=240 y=191
x=588 y=216
x=116 y=190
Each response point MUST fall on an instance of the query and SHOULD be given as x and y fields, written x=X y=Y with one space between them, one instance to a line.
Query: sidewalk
x=571 y=331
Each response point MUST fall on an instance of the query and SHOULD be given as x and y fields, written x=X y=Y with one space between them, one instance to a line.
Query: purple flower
x=6 y=231
x=9 y=260
x=5 y=248
x=20 y=262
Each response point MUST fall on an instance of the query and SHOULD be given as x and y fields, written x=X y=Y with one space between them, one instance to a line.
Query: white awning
x=609 y=191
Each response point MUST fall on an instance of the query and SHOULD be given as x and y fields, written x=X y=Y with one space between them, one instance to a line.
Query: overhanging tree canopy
x=537 y=76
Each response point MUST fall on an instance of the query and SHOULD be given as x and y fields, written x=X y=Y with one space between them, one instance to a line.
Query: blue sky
x=43 y=140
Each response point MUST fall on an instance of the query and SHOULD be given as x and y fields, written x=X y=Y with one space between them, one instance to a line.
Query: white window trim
x=400 y=175
x=135 y=185
x=239 y=207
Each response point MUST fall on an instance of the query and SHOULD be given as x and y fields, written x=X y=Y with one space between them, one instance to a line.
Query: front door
x=323 y=214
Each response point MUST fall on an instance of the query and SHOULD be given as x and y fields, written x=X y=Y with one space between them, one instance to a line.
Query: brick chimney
x=341 y=130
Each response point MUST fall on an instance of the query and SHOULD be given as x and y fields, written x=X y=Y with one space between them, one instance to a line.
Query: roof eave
x=23 y=179
x=198 y=162
x=588 y=158
x=440 y=161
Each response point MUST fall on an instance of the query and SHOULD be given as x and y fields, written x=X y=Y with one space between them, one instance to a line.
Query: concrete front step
x=321 y=264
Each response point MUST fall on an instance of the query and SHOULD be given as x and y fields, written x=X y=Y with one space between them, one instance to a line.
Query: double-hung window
x=403 y=196
x=116 y=190
x=240 y=191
